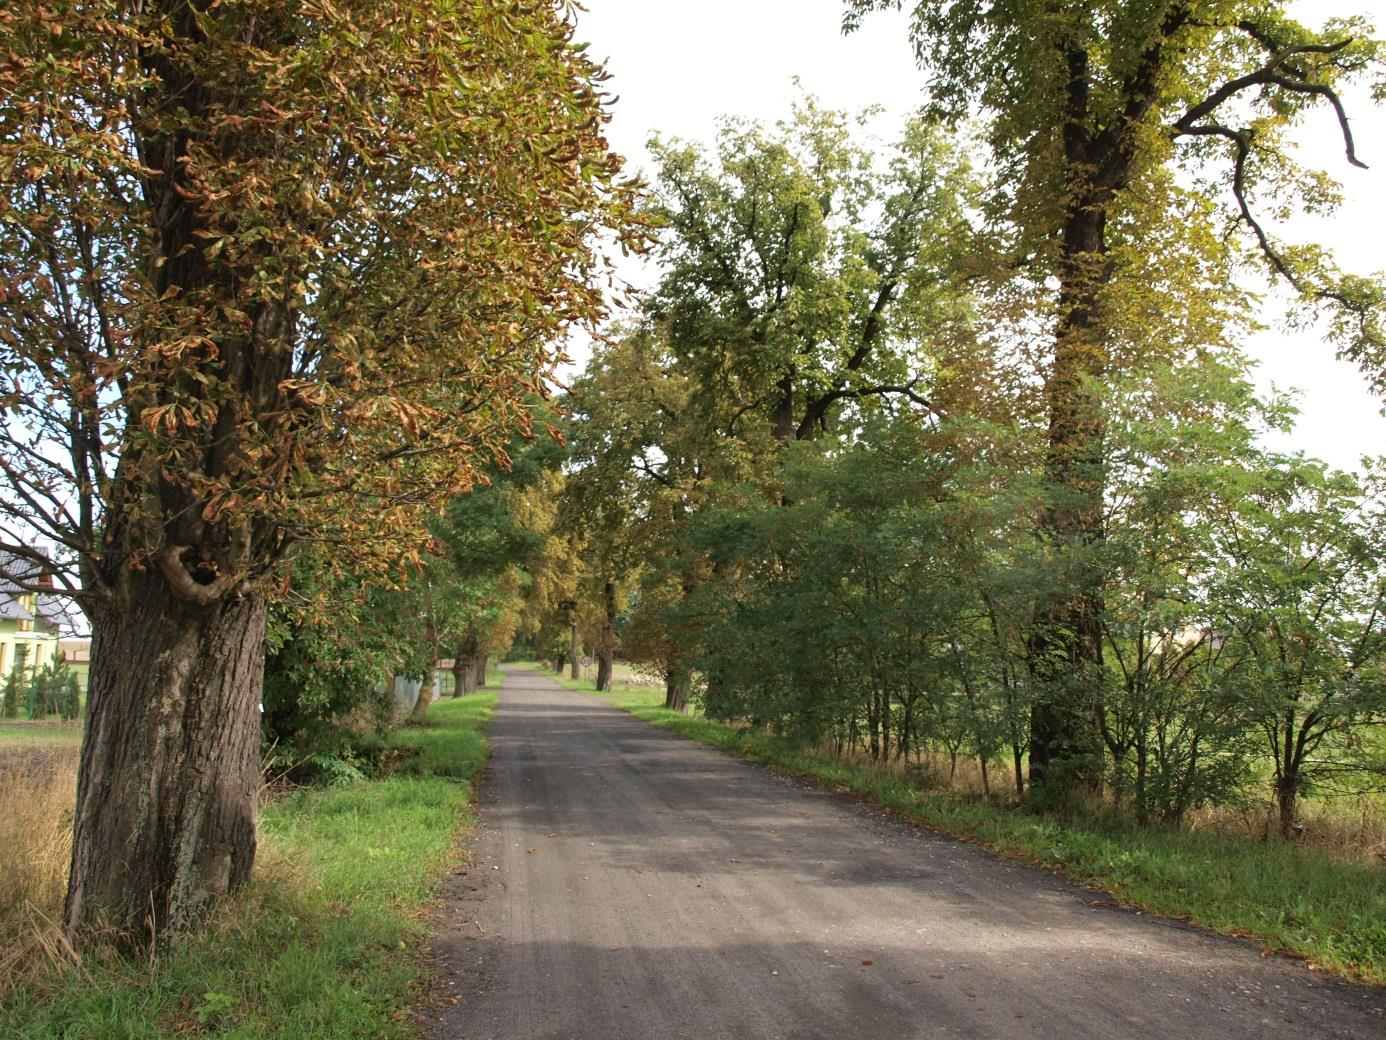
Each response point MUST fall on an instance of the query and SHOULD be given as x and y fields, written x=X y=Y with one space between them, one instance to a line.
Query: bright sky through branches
x=678 y=69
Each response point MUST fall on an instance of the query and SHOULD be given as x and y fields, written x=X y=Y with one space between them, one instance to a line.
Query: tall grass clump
x=38 y=788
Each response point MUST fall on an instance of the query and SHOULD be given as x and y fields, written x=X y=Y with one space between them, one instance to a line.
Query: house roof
x=11 y=609
x=19 y=570
x=15 y=573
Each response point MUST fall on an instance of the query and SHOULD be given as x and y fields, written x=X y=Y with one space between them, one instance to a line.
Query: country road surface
x=626 y=884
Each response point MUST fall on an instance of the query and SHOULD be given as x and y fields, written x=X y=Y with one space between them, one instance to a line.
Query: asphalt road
x=626 y=884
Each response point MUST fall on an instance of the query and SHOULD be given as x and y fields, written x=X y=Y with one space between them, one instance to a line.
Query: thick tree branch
x=185 y=586
x=818 y=409
x=1277 y=72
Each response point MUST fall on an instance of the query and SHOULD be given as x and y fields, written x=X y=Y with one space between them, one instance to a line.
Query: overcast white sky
x=677 y=69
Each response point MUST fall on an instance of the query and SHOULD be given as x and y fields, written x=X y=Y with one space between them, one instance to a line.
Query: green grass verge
x=325 y=942
x=1290 y=899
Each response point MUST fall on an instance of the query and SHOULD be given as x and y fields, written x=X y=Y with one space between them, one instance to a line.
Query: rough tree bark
x=606 y=653
x=1066 y=642
x=425 y=700
x=426 y=688
x=170 y=766
x=573 y=653
x=676 y=684
x=464 y=666
x=1287 y=803
x=165 y=816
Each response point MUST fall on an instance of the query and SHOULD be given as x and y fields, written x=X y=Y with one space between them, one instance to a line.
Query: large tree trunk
x=464 y=666
x=425 y=700
x=1288 y=774
x=574 y=654
x=170 y=768
x=165 y=816
x=676 y=683
x=783 y=417
x=1066 y=642
x=479 y=673
x=464 y=673
x=606 y=653
x=1287 y=801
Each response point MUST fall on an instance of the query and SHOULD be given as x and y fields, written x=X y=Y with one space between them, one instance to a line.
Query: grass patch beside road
x=325 y=941
x=1291 y=899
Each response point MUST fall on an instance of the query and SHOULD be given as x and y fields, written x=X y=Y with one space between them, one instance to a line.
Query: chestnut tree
x=270 y=273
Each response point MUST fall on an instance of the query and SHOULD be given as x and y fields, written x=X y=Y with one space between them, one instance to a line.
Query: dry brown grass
x=38 y=789
x=933 y=769
x=1345 y=828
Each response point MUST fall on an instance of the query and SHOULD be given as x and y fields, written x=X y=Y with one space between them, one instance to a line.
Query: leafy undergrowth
x=324 y=943
x=1291 y=899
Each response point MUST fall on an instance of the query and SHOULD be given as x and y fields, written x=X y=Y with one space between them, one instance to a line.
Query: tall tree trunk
x=1287 y=801
x=1066 y=642
x=479 y=672
x=606 y=654
x=1101 y=137
x=885 y=725
x=1287 y=778
x=782 y=420
x=425 y=700
x=170 y=766
x=573 y=653
x=676 y=683
x=464 y=665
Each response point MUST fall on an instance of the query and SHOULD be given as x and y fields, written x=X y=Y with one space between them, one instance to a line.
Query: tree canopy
x=274 y=274
x=302 y=300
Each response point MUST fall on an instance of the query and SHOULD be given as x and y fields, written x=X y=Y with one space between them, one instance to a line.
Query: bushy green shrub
x=13 y=695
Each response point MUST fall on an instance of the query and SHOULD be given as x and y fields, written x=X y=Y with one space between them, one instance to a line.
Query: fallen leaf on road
x=867 y=960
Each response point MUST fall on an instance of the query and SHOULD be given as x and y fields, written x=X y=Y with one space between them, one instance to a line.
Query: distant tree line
x=915 y=456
